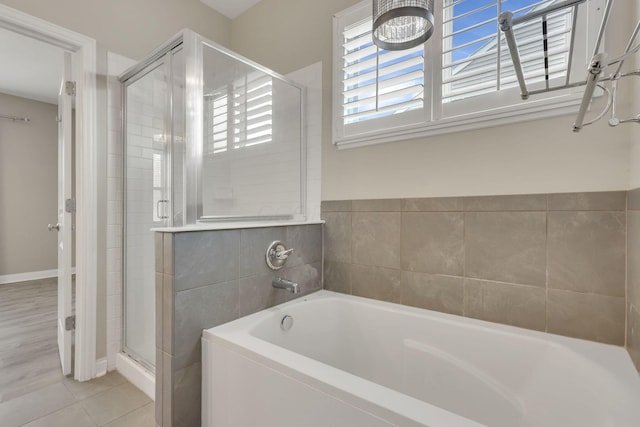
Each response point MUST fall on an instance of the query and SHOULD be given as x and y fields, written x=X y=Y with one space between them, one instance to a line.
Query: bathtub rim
x=600 y=350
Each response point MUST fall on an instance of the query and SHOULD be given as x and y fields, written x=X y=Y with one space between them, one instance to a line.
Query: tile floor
x=33 y=391
x=106 y=401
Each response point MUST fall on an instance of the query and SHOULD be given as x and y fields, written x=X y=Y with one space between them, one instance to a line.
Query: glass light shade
x=402 y=24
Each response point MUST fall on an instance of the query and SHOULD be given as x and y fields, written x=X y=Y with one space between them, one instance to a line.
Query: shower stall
x=209 y=138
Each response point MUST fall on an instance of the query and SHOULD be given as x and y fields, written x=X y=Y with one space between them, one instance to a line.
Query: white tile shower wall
x=311 y=77
x=116 y=64
x=256 y=180
x=260 y=178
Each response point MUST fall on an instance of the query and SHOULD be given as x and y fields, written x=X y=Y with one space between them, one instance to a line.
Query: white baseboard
x=101 y=367
x=136 y=374
x=24 y=277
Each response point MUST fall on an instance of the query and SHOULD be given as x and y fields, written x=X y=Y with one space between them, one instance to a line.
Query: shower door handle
x=158 y=203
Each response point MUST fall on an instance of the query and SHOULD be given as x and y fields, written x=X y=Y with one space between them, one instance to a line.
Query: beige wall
x=633 y=276
x=130 y=28
x=534 y=157
x=633 y=231
x=634 y=158
x=28 y=186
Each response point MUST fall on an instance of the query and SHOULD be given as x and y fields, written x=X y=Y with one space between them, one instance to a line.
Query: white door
x=66 y=205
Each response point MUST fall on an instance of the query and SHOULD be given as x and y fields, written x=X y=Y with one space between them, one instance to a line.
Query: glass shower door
x=147 y=203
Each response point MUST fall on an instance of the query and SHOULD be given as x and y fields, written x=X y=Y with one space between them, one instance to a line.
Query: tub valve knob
x=277 y=254
x=283 y=254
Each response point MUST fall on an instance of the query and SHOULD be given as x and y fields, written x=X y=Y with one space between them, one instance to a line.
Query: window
x=239 y=115
x=472 y=63
x=461 y=79
x=379 y=83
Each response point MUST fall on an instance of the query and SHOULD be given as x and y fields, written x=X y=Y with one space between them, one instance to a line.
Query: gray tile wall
x=207 y=278
x=551 y=262
x=633 y=275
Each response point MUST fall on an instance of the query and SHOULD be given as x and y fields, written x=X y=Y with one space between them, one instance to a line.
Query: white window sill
x=526 y=111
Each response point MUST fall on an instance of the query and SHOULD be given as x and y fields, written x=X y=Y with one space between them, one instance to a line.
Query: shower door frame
x=192 y=207
x=161 y=59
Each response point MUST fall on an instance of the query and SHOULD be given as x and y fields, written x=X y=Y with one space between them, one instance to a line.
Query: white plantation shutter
x=532 y=56
x=252 y=110
x=378 y=83
x=216 y=122
x=460 y=79
x=241 y=115
x=473 y=65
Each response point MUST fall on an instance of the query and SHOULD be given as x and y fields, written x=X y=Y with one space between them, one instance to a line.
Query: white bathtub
x=350 y=361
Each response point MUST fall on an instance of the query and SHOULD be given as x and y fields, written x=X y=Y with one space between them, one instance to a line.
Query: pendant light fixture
x=402 y=24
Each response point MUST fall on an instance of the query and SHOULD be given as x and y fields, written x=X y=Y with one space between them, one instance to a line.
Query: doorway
x=28 y=218
x=83 y=51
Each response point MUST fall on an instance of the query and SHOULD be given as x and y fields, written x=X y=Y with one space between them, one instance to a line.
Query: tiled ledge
x=596 y=201
x=236 y=225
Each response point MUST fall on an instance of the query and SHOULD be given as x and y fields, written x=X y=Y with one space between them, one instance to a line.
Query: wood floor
x=28 y=343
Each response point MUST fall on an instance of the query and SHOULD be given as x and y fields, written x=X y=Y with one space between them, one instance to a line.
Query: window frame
x=498 y=108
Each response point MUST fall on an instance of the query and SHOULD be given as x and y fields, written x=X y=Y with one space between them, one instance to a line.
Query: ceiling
x=230 y=8
x=30 y=68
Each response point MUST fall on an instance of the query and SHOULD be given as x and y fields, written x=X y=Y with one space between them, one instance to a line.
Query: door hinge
x=70 y=323
x=70 y=205
x=70 y=88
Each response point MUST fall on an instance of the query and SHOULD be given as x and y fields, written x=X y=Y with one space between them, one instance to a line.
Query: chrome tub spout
x=280 y=283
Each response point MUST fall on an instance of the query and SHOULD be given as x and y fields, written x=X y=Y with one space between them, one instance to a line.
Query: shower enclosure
x=209 y=137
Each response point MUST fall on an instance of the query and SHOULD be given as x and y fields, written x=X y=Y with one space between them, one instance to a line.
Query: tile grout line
x=546 y=279
x=88 y=415
x=465 y=297
x=123 y=415
x=627 y=303
x=400 y=285
x=75 y=401
x=120 y=416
